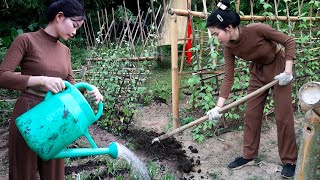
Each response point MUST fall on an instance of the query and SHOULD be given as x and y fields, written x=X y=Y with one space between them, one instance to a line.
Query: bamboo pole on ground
x=174 y=71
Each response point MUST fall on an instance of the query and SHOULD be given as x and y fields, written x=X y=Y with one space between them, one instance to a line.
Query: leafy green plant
x=122 y=84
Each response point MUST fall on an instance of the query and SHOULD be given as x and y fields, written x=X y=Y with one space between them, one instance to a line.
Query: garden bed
x=181 y=156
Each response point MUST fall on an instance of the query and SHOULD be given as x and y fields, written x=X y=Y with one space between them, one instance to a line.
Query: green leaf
x=266 y=6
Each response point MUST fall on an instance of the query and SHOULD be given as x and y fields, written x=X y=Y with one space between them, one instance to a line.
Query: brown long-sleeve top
x=257 y=42
x=38 y=54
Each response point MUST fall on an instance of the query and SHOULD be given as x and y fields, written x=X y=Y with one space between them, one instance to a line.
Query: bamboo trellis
x=132 y=31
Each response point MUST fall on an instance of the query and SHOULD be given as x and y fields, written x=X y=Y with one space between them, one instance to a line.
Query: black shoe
x=240 y=162
x=288 y=170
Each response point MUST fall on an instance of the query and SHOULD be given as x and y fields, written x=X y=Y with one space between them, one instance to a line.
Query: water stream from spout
x=137 y=165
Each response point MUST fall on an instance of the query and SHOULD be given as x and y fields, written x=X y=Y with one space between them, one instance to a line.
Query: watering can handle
x=90 y=88
x=78 y=86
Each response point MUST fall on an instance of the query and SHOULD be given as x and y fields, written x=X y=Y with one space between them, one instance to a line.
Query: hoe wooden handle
x=222 y=110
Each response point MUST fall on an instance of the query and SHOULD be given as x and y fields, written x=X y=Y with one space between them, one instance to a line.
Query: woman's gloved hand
x=95 y=95
x=214 y=113
x=284 y=78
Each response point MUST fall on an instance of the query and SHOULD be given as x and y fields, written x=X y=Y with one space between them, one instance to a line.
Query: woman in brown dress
x=258 y=43
x=45 y=62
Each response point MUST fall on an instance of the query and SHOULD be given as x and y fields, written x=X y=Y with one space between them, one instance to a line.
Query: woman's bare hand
x=53 y=84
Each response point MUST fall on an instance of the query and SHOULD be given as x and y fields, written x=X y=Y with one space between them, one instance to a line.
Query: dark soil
x=167 y=149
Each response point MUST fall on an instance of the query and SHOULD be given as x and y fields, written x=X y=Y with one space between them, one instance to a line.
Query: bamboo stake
x=214 y=60
x=222 y=110
x=238 y=7
x=90 y=34
x=105 y=26
x=181 y=12
x=85 y=31
x=288 y=15
x=109 y=39
x=139 y=25
x=251 y=11
x=94 y=37
x=129 y=31
x=100 y=29
x=109 y=30
x=154 y=23
x=135 y=29
x=114 y=27
x=125 y=31
x=183 y=50
x=174 y=71
x=143 y=36
x=147 y=39
x=310 y=14
x=276 y=12
x=140 y=18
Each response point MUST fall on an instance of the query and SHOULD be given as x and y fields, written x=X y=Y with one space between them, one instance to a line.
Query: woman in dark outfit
x=45 y=62
x=258 y=43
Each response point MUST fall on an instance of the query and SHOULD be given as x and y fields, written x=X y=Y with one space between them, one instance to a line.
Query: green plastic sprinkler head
x=113 y=150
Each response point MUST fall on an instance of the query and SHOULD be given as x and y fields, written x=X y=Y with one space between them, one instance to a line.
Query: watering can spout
x=111 y=150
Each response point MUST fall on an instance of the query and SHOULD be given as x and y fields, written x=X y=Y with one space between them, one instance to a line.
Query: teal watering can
x=59 y=120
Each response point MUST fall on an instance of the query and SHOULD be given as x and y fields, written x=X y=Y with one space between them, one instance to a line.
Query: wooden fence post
x=174 y=71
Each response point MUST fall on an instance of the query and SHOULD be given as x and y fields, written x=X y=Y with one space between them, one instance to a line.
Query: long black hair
x=223 y=16
x=70 y=8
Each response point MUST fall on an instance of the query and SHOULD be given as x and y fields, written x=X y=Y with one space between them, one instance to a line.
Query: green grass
x=160 y=80
x=159 y=83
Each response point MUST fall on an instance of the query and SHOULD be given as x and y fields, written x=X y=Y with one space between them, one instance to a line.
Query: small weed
x=153 y=169
x=230 y=172
x=260 y=157
x=254 y=178
x=215 y=175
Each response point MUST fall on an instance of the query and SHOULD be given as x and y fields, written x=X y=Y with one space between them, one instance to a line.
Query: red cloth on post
x=189 y=42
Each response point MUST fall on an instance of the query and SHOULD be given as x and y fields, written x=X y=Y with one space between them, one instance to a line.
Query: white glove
x=214 y=113
x=284 y=78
